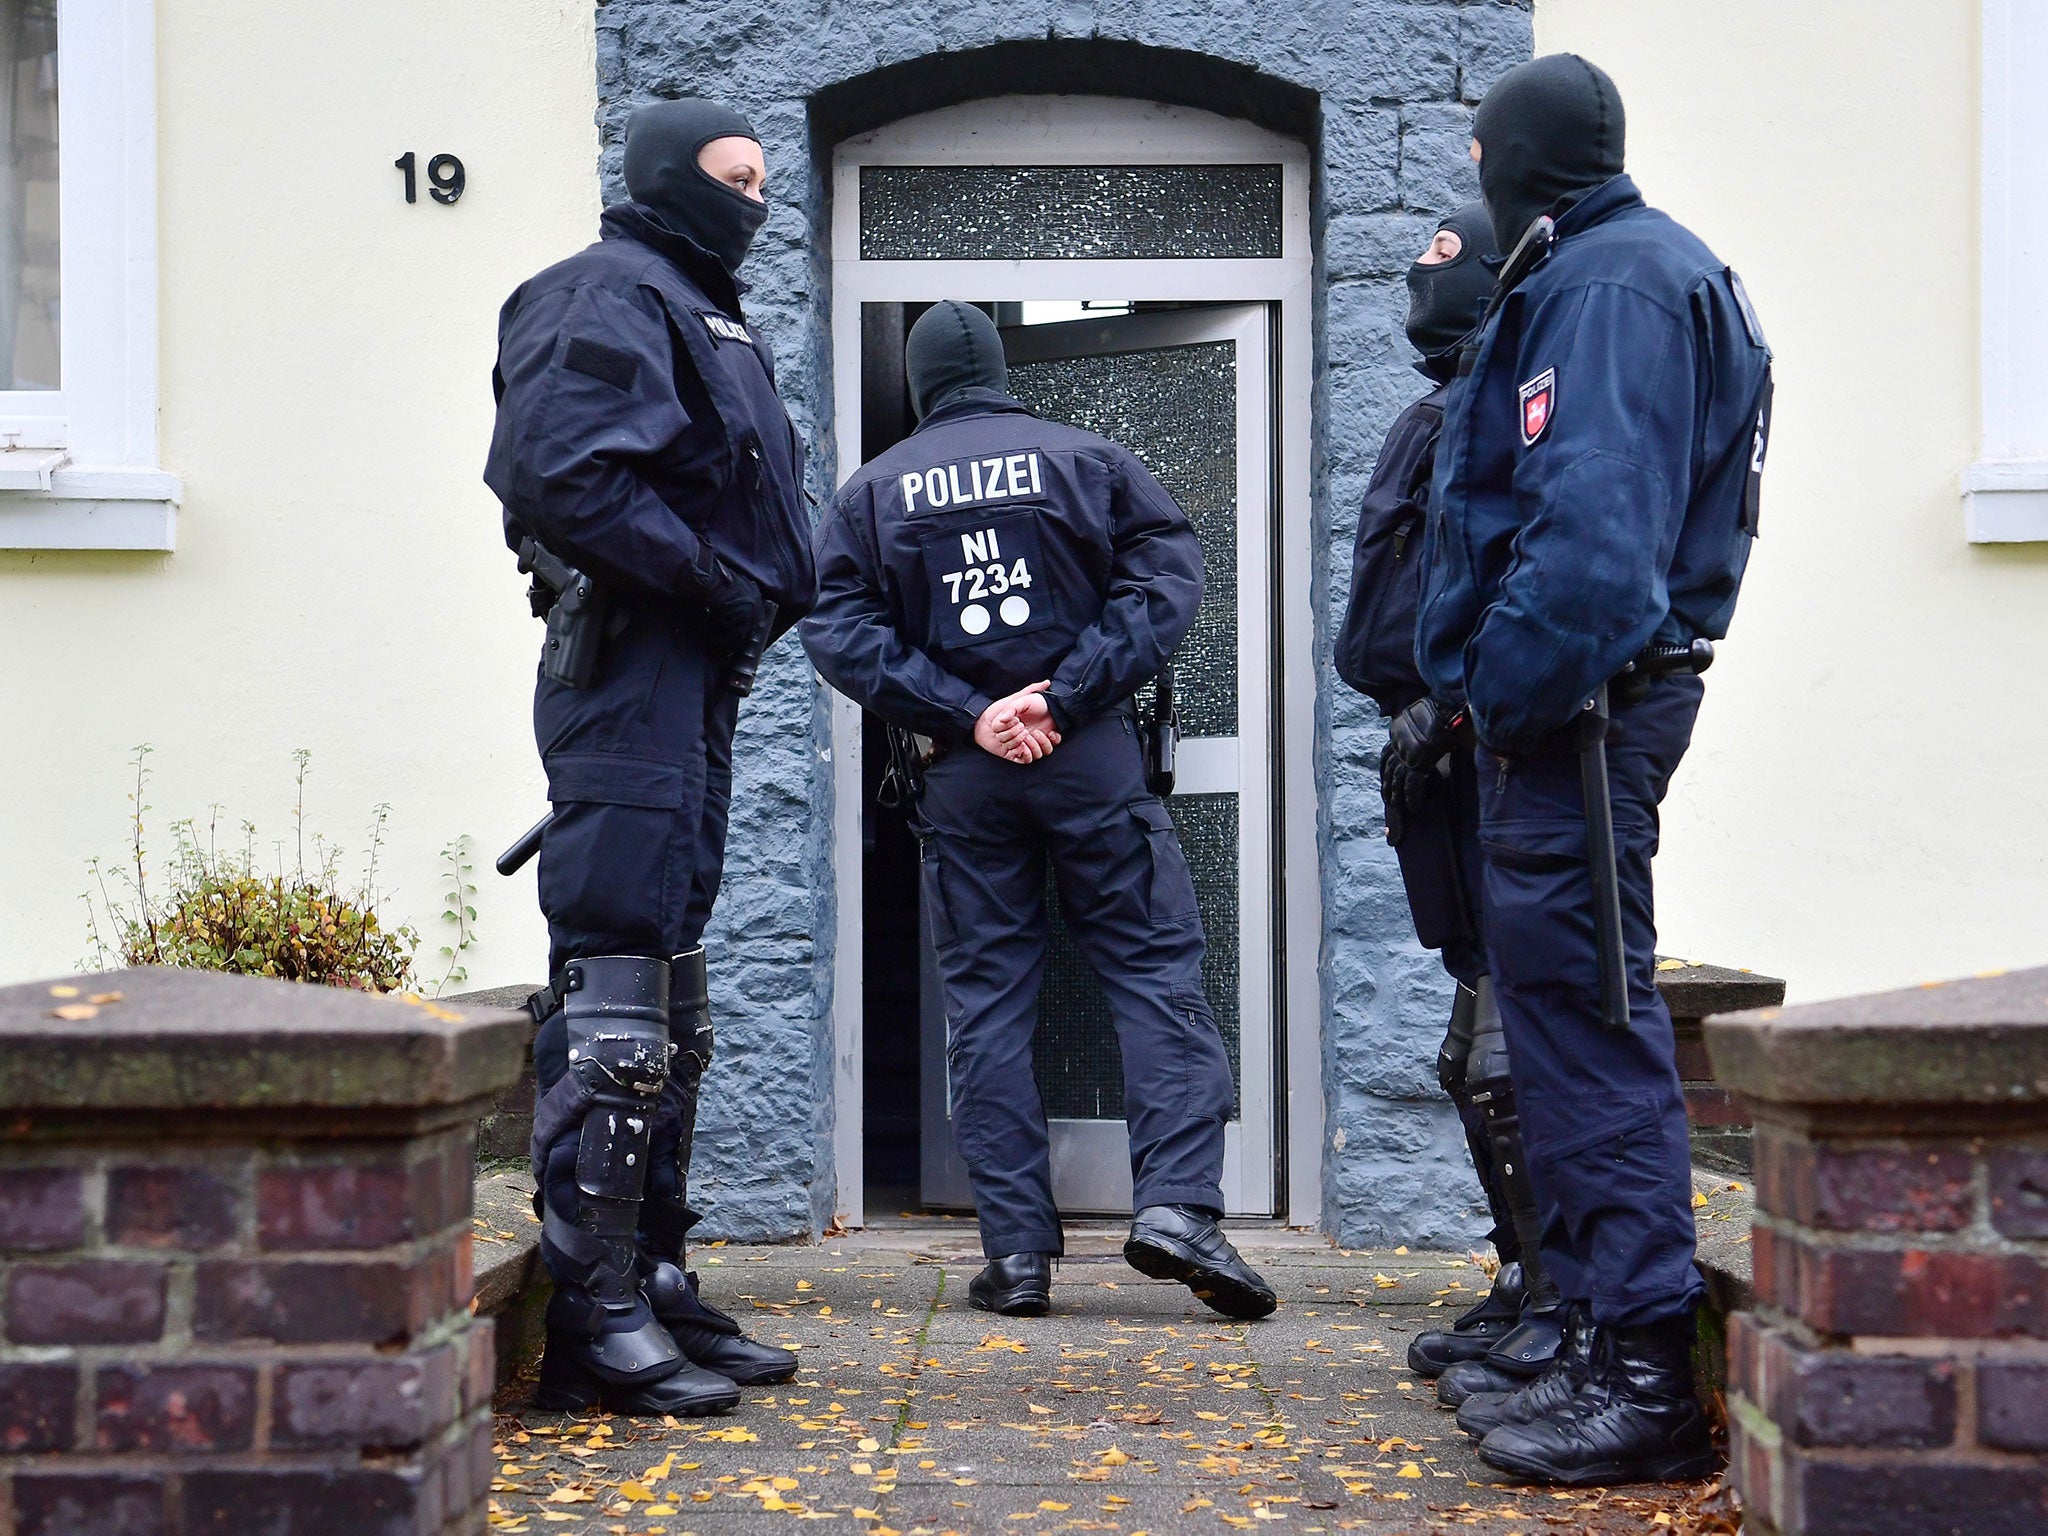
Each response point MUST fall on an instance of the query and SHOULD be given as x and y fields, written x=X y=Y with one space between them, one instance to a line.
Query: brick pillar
x=1894 y=1375
x=1719 y=1124
x=235 y=1259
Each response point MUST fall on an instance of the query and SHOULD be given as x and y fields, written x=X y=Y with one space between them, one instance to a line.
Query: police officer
x=640 y=444
x=1004 y=585
x=1595 y=494
x=1513 y=1333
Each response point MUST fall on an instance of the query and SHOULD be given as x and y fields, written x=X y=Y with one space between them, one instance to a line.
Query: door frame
x=1099 y=130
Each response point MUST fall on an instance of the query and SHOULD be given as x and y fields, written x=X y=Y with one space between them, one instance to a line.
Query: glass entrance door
x=1189 y=392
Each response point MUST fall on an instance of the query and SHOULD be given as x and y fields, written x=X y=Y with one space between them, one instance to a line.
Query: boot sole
x=760 y=1376
x=581 y=1396
x=1017 y=1303
x=1678 y=1467
x=1160 y=1259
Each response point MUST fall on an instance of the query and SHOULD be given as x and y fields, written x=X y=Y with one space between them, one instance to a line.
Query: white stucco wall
x=325 y=353
x=1863 y=805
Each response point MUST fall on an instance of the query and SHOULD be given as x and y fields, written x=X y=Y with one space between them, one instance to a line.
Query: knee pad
x=616 y=1008
x=1486 y=1066
x=689 y=1009
x=1456 y=1051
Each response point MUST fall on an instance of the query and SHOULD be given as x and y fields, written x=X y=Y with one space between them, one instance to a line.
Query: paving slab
x=1131 y=1409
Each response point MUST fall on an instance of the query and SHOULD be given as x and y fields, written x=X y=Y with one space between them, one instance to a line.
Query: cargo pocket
x=1172 y=896
x=938 y=912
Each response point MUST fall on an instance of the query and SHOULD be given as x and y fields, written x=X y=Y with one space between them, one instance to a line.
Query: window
x=78 y=450
x=31 y=275
x=2005 y=493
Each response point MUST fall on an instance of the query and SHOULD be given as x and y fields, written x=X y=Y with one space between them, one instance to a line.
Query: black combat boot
x=1532 y=1399
x=1014 y=1284
x=1474 y=1333
x=710 y=1338
x=1634 y=1421
x=1518 y=1357
x=597 y=1357
x=1172 y=1242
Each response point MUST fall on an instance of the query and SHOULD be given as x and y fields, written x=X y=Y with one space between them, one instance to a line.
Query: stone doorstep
x=511 y=1284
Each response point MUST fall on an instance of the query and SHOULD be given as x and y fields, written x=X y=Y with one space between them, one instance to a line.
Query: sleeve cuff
x=972 y=711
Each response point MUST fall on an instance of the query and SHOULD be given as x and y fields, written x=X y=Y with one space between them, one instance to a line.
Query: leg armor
x=711 y=1340
x=666 y=1218
x=590 y=1142
x=1535 y=1340
x=1451 y=1071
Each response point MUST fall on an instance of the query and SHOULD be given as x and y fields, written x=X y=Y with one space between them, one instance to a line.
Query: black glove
x=1414 y=766
x=728 y=614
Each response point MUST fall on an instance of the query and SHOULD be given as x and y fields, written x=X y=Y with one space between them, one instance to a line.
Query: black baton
x=513 y=859
x=1613 y=953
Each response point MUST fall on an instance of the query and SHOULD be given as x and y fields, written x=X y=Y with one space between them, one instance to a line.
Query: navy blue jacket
x=1596 y=479
x=990 y=550
x=1375 y=649
x=639 y=437
x=638 y=428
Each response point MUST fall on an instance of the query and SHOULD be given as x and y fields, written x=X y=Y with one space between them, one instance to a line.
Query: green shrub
x=220 y=910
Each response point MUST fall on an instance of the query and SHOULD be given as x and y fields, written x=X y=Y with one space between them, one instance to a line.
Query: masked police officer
x=1514 y=1332
x=1594 y=504
x=1004 y=585
x=652 y=480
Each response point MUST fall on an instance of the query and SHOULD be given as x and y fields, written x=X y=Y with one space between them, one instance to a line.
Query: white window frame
x=1082 y=130
x=78 y=466
x=2005 y=492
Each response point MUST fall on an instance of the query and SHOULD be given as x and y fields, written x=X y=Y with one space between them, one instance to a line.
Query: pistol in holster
x=902 y=783
x=577 y=615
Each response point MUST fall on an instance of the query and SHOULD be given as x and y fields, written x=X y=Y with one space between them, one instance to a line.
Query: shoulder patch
x=1750 y=323
x=608 y=365
x=1539 y=406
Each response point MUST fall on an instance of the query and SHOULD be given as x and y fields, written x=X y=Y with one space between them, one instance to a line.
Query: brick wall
x=234 y=1317
x=1894 y=1375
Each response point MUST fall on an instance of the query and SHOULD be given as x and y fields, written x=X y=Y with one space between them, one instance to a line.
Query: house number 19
x=444 y=172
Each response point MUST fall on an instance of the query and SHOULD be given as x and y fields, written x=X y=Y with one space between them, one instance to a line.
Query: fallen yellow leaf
x=1409 y=1469
x=107 y=997
x=1054 y=1505
x=572 y=1495
x=63 y=991
x=636 y=1493
x=75 y=1012
x=1113 y=1457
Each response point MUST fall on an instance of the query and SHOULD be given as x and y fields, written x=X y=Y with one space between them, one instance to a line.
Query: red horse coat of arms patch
x=1539 y=405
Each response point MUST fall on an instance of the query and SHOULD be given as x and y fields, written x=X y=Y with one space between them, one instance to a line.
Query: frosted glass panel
x=1075 y=1049
x=1176 y=409
x=1048 y=212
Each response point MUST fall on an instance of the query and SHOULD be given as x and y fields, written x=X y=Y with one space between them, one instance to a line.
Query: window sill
x=2005 y=501
x=94 y=509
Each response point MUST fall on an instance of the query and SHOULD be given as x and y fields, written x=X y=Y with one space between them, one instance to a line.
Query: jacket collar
x=1616 y=195
x=974 y=402
x=637 y=222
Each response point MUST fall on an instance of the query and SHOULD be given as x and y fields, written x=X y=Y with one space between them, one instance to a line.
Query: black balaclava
x=662 y=141
x=952 y=348
x=1549 y=132
x=1446 y=301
